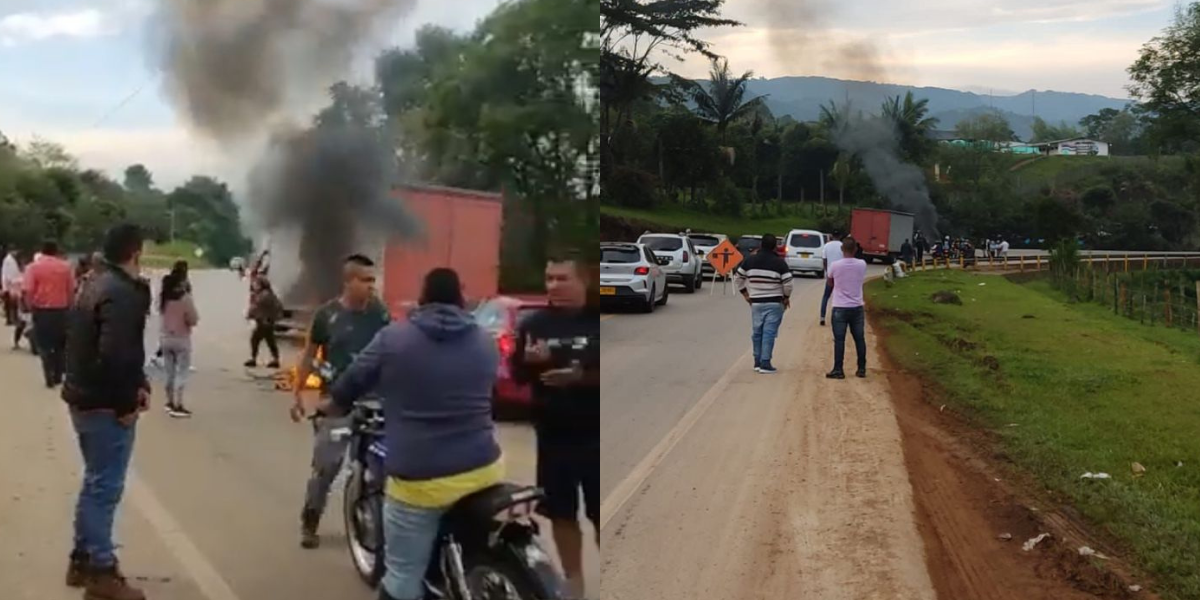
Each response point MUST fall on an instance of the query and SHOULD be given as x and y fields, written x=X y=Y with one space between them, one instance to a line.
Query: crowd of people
x=88 y=325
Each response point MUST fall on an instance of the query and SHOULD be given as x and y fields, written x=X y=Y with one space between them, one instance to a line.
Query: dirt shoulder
x=975 y=511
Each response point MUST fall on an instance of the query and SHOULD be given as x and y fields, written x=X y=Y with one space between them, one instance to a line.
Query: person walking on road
x=435 y=373
x=830 y=253
x=179 y=316
x=906 y=252
x=847 y=276
x=265 y=311
x=10 y=271
x=558 y=353
x=765 y=281
x=921 y=246
x=340 y=329
x=21 y=324
x=106 y=389
x=49 y=288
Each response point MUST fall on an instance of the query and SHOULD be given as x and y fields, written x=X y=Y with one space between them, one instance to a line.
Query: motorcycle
x=487 y=548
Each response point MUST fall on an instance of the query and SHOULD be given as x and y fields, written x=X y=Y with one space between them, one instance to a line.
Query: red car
x=501 y=316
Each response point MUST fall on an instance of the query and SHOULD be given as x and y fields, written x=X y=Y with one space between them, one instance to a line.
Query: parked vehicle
x=487 y=549
x=751 y=244
x=704 y=243
x=684 y=266
x=804 y=251
x=502 y=316
x=632 y=274
x=880 y=233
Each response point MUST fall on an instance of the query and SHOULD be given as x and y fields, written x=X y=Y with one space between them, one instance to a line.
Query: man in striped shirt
x=765 y=281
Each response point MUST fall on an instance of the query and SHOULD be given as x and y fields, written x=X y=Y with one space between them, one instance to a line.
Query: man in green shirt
x=340 y=329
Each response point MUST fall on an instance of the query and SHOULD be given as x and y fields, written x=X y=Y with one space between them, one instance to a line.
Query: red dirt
x=967 y=496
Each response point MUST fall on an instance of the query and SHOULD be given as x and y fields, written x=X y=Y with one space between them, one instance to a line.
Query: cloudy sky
x=1005 y=45
x=67 y=65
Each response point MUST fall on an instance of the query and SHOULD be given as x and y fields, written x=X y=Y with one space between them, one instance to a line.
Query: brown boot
x=77 y=570
x=109 y=584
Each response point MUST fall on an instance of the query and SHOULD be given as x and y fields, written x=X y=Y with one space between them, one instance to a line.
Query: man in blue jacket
x=435 y=373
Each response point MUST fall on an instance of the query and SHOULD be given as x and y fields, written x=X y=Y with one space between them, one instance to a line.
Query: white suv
x=804 y=251
x=705 y=243
x=684 y=265
x=631 y=274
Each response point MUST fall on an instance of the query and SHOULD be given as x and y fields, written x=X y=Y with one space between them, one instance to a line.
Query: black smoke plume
x=249 y=73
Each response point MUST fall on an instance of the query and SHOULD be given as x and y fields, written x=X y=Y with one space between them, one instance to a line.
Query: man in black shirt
x=559 y=354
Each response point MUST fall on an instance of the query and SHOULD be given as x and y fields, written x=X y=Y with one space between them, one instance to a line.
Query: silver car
x=705 y=243
x=683 y=266
x=632 y=274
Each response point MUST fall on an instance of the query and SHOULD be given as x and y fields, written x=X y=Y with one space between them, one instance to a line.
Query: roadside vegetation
x=681 y=218
x=1068 y=388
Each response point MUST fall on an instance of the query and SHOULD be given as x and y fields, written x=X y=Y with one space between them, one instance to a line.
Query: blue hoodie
x=435 y=374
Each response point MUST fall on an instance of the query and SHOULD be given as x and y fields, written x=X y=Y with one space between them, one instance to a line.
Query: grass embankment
x=162 y=256
x=1085 y=390
x=710 y=223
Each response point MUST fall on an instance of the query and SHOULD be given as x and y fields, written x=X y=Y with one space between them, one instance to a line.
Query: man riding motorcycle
x=434 y=373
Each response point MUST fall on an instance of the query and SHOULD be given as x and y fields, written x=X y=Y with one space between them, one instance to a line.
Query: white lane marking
x=197 y=566
x=629 y=486
x=189 y=556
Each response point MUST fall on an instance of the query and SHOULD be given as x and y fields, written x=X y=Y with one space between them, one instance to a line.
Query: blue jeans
x=855 y=319
x=825 y=299
x=764 y=319
x=409 y=535
x=107 y=446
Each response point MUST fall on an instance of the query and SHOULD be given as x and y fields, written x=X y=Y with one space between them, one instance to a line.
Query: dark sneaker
x=109 y=584
x=250 y=363
x=179 y=412
x=169 y=408
x=308 y=530
x=767 y=368
x=822 y=322
x=835 y=375
x=77 y=570
x=757 y=365
x=861 y=373
x=273 y=364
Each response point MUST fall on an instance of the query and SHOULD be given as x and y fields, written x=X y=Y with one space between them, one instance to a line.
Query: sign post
x=724 y=259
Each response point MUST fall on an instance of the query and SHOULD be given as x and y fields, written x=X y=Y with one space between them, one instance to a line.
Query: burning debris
x=248 y=74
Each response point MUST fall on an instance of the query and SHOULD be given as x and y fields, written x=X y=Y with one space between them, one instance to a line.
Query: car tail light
x=641 y=271
x=507 y=344
x=685 y=257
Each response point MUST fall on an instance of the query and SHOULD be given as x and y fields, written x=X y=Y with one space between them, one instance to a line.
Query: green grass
x=1086 y=390
x=1067 y=169
x=710 y=223
x=164 y=255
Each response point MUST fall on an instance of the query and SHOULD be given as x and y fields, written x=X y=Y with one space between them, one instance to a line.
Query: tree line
x=45 y=195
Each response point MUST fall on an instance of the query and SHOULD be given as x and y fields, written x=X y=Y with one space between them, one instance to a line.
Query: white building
x=1079 y=146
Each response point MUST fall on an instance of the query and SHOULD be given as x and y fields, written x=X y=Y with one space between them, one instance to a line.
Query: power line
x=123 y=102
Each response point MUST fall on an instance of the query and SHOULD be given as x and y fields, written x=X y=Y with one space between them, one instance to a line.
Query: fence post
x=1022 y=261
x=1167 y=297
x=1145 y=262
x=1126 y=262
x=1039 y=262
x=1123 y=293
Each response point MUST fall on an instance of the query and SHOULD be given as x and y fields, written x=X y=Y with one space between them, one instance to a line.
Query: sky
x=1007 y=46
x=78 y=72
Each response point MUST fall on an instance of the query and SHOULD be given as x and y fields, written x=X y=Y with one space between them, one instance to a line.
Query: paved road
x=723 y=484
x=212 y=509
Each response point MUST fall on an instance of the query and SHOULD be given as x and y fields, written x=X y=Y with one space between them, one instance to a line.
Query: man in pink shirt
x=49 y=286
x=847 y=276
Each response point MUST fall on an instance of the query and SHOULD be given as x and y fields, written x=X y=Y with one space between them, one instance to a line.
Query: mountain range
x=802 y=97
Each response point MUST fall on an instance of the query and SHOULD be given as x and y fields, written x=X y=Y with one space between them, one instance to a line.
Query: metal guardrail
x=1112 y=261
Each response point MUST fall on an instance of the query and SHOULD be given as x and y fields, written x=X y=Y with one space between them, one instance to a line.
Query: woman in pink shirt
x=179 y=316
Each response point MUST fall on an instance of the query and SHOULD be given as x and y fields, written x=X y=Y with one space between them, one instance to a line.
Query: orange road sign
x=724 y=258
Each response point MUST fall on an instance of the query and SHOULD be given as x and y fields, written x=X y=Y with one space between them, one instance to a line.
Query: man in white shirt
x=10 y=275
x=832 y=252
x=1004 y=249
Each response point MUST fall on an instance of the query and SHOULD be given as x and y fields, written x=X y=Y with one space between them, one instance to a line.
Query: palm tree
x=835 y=119
x=723 y=100
x=912 y=126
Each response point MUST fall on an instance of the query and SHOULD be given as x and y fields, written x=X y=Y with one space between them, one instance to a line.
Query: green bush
x=632 y=187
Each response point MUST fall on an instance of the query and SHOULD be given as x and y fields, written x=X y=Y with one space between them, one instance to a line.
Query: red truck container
x=462 y=231
x=880 y=232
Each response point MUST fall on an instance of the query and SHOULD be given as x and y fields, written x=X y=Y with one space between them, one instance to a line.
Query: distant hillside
x=802 y=97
